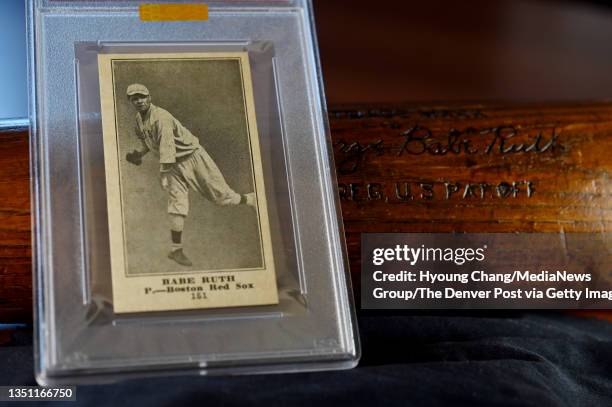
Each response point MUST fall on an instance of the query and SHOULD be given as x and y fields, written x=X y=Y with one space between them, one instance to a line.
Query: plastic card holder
x=184 y=198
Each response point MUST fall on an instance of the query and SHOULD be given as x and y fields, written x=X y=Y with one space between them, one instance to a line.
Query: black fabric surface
x=501 y=359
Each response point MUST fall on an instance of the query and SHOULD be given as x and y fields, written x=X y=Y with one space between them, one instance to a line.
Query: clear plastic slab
x=80 y=337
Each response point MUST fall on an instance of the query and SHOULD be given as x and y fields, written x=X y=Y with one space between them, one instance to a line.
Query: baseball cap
x=137 y=88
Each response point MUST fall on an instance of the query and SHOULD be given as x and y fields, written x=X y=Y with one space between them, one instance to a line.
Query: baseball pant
x=199 y=172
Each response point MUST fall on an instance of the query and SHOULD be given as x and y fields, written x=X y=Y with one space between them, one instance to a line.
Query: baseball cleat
x=179 y=257
x=251 y=200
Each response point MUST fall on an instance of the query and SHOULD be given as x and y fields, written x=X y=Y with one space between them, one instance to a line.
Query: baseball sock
x=176 y=240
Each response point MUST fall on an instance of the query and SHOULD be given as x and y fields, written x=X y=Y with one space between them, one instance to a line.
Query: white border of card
x=178 y=289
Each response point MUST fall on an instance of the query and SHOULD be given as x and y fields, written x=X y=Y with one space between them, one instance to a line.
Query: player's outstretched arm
x=144 y=150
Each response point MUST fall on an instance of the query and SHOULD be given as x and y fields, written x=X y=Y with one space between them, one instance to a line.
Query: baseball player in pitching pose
x=183 y=164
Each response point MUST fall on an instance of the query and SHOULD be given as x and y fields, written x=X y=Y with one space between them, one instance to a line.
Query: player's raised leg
x=203 y=175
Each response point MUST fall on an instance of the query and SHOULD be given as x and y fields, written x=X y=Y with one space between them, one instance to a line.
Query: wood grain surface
x=530 y=168
x=15 y=243
x=410 y=168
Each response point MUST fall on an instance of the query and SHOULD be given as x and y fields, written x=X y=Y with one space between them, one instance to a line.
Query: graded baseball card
x=188 y=221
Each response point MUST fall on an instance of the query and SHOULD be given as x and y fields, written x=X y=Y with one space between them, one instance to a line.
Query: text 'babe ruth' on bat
x=184 y=165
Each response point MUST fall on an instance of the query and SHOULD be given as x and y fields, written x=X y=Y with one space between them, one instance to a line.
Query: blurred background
x=511 y=50
x=443 y=50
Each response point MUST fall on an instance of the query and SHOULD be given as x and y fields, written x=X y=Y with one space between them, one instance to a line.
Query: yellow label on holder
x=174 y=12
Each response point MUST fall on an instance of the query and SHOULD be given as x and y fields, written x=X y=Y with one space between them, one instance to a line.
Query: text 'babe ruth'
x=184 y=164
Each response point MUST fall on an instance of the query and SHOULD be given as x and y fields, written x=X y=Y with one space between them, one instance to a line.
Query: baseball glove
x=134 y=157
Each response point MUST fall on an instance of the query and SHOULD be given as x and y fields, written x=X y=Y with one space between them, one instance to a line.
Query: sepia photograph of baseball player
x=186 y=150
x=187 y=210
x=184 y=165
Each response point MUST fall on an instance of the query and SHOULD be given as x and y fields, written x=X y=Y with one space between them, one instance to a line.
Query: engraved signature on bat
x=421 y=140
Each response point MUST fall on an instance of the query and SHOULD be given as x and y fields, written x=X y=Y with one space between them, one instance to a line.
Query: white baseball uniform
x=184 y=161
